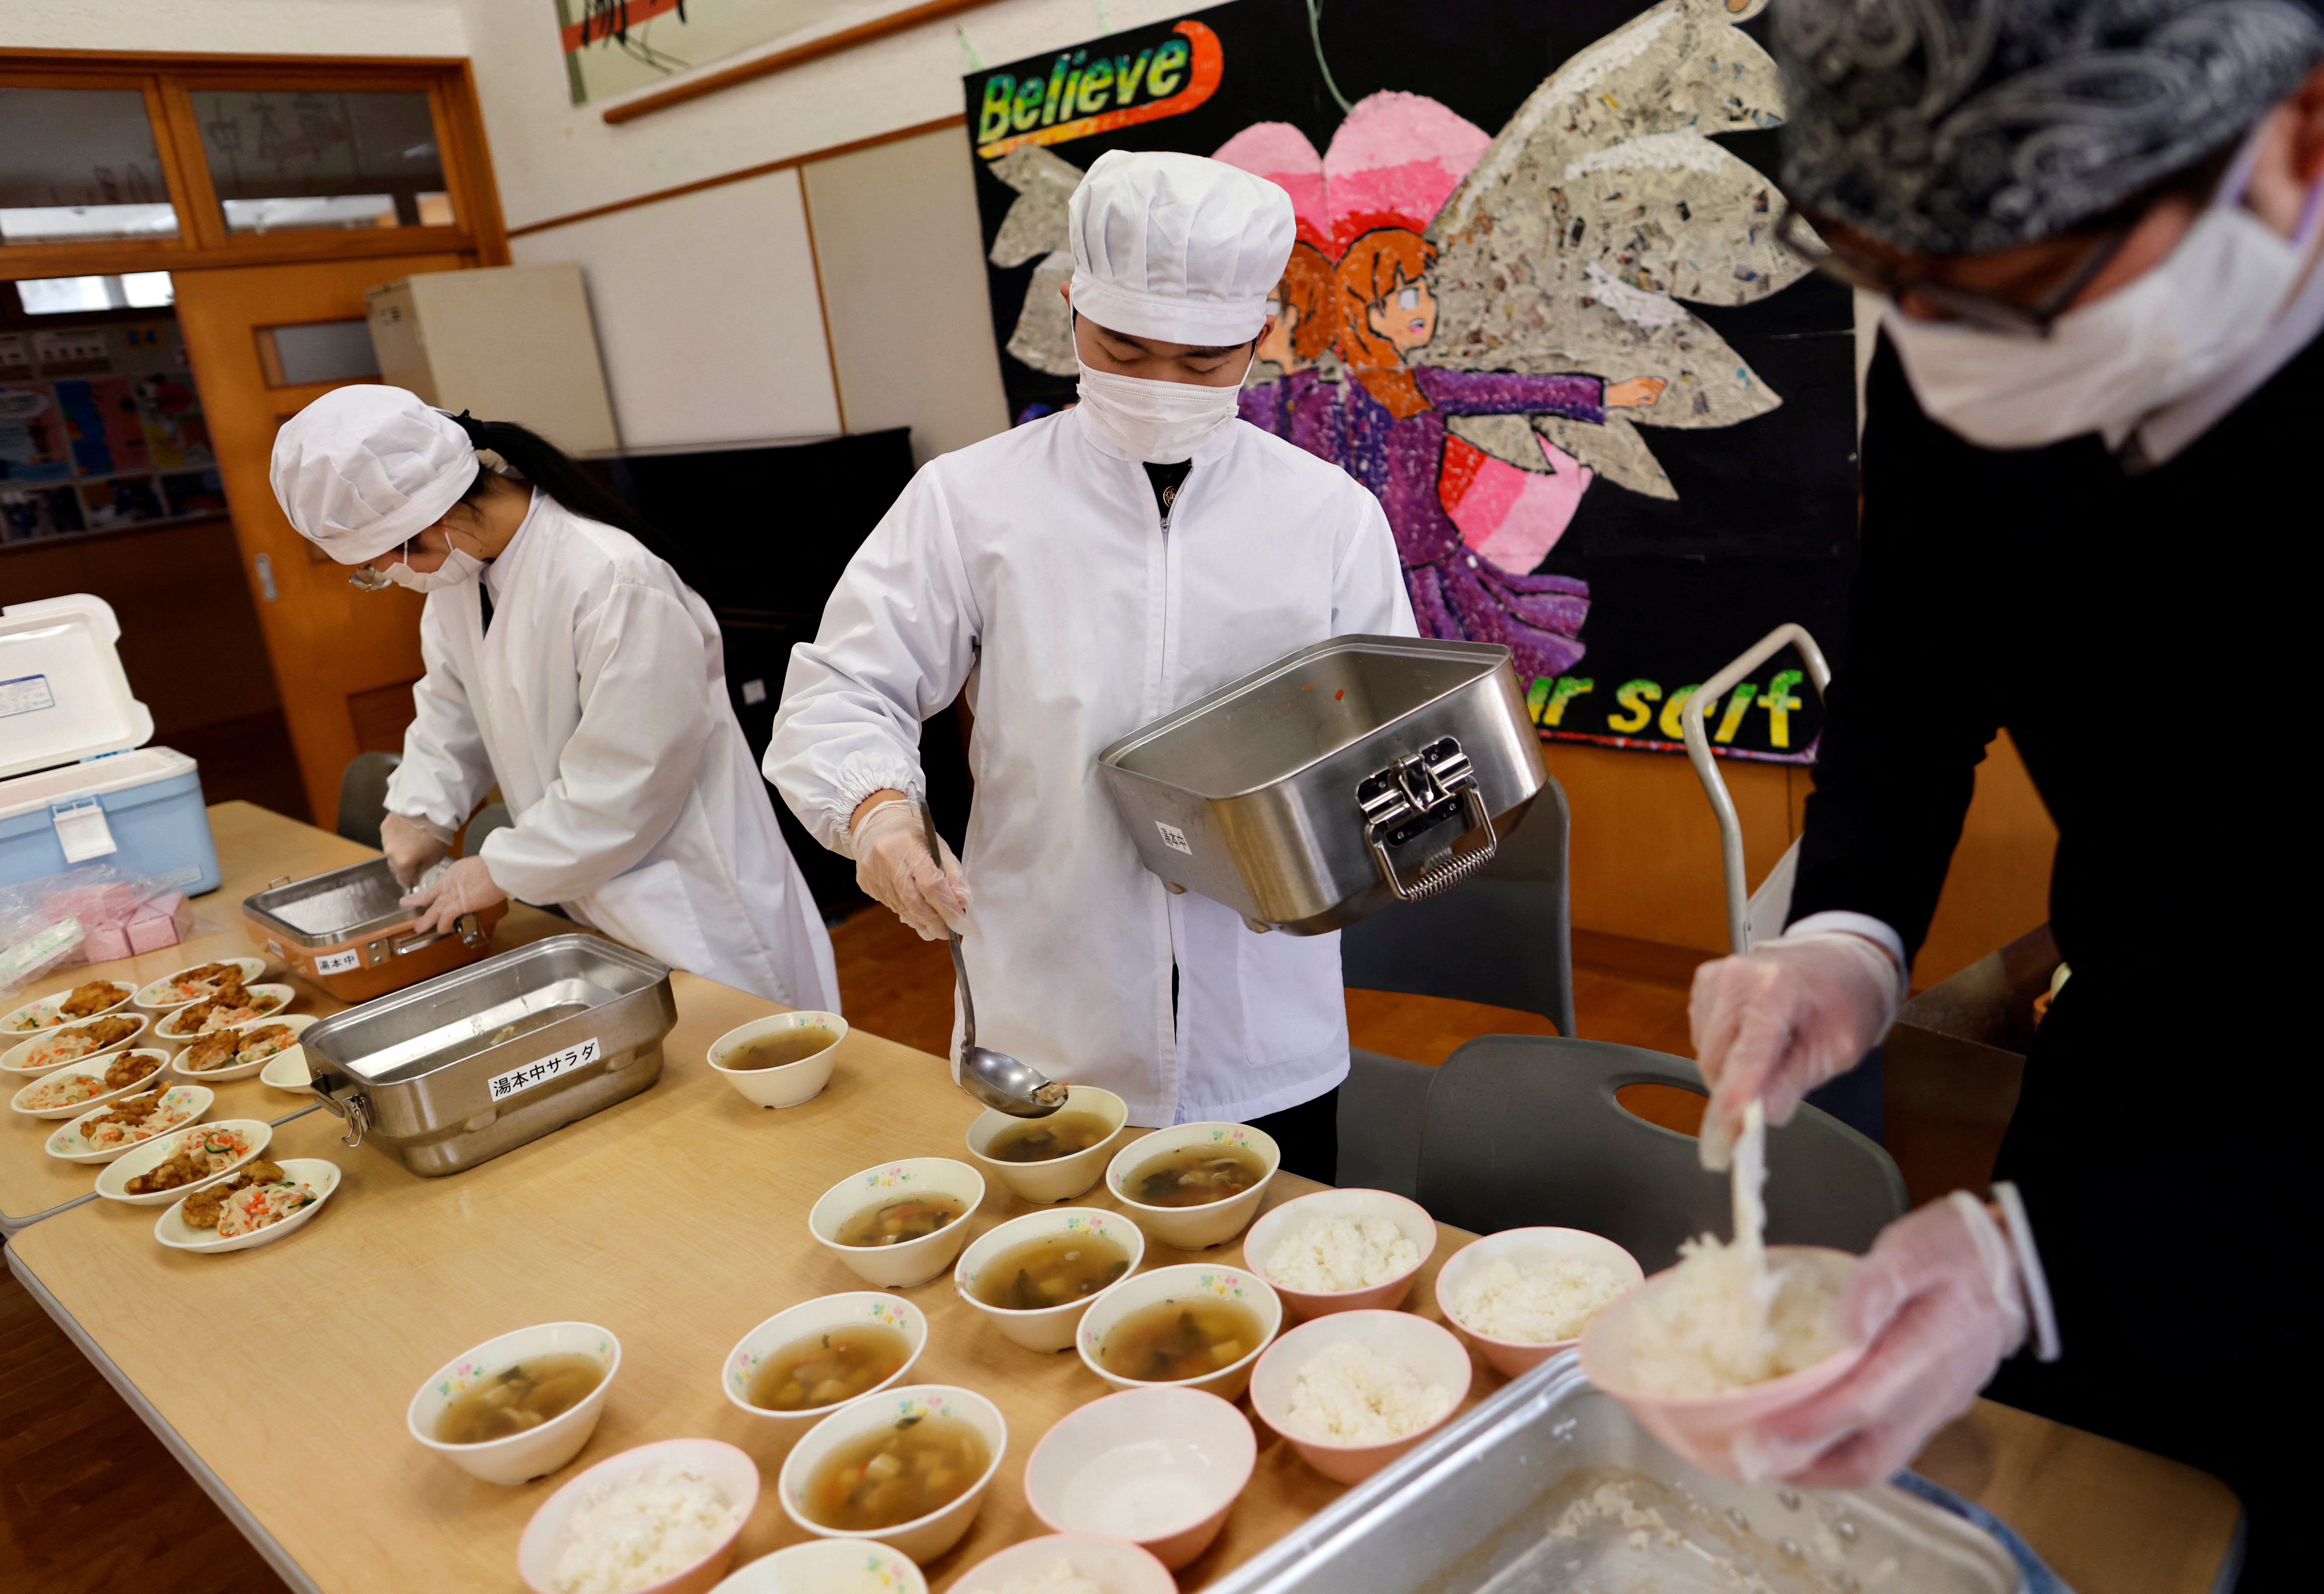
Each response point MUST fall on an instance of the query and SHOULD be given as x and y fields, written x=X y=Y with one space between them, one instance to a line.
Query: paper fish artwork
x=1478 y=327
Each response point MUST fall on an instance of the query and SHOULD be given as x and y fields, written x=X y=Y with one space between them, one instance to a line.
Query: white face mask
x=2106 y=366
x=1162 y=423
x=457 y=567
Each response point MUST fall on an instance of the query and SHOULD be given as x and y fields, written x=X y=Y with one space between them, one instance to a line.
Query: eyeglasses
x=1986 y=311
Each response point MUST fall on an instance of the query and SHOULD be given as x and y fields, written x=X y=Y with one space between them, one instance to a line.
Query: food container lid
x=63 y=693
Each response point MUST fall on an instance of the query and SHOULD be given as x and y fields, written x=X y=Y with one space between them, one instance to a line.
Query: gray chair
x=363 y=795
x=1524 y=1130
x=491 y=817
x=1501 y=937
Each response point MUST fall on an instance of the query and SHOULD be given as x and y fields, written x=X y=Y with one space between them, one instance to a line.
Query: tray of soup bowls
x=47 y=1012
x=828 y=1566
x=51 y=1049
x=1424 y=1359
x=900 y=1224
x=1197 y=1185
x=167 y=994
x=587 y=1515
x=243 y=1060
x=84 y=1140
x=800 y=1364
x=1058 y=1158
x=1107 y=1565
x=281 y=1211
x=67 y=1086
x=173 y=1028
x=908 y=1467
x=1195 y=1325
x=1034 y=1277
x=1157 y=1467
x=1358 y=1237
x=780 y=1061
x=227 y=1144
x=1529 y=1251
x=546 y=1360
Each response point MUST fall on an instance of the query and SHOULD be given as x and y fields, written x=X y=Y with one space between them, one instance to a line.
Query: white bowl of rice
x=1523 y=1295
x=828 y=1566
x=1341 y=1250
x=1069 y=1564
x=1355 y=1390
x=659 y=1519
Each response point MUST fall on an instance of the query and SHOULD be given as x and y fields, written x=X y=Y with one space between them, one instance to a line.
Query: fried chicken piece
x=129 y=1112
x=276 y=1035
x=181 y=1169
x=95 y=996
x=205 y=1206
x=105 y=1031
x=216 y=1050
x=210 y=972
x=260 y=1170
x=127 y=1070
x=191 y=1018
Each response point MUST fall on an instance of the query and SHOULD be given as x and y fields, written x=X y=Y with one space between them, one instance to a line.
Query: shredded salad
x=262 y=1206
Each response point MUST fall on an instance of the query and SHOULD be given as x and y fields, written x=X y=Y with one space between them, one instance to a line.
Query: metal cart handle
x=1706 y=767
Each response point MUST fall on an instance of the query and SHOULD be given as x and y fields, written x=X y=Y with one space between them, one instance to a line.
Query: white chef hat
x=1177 y=246
x=364 y=469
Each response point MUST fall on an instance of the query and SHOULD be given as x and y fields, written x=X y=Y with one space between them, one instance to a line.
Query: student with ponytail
x=568 y=661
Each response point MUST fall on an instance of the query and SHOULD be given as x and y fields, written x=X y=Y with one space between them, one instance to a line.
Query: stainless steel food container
x=346 y=930
x=452 y=1073
x=1329 y=784
x=1500 y=1501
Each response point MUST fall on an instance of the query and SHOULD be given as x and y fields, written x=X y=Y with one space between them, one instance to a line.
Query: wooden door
x=344 y=661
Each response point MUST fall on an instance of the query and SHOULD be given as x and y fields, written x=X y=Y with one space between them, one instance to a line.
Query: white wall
x=241 y=27
x=707 y=314
x=554 y=157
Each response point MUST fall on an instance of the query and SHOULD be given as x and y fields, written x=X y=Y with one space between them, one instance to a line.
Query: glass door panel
x=78 y=165
x=301 y=161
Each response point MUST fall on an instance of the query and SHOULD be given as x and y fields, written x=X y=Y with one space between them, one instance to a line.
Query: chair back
x=491 y=817
x=363 y=795
x=1524 y=1130
x=1382 y=1106
x=1501 y=937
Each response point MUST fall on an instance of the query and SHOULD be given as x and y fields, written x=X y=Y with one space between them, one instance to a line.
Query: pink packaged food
x=105 y=944
x=111 y=902
x=163 y=922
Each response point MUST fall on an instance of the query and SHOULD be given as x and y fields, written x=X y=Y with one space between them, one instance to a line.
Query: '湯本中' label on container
x=339 y=962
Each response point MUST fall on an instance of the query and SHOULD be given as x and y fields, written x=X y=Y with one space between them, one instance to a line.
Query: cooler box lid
x=63 y=694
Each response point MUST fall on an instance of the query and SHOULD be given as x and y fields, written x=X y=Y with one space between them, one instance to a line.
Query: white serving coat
x=1033 y=571
x=598 y=701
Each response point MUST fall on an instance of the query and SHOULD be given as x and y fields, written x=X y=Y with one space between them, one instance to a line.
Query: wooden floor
x=90 y=1501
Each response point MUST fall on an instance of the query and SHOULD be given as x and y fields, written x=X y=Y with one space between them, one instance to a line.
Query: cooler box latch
x=81 y=829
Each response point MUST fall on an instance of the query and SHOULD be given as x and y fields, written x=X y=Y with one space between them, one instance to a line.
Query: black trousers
x=2160 y=1197
x=1309 y=1136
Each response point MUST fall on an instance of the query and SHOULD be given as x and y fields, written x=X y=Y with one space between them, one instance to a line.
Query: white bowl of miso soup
x=900 y=1224
x=1197 y=1185
x=908 y=1467
x=819 y=1356
x=1034 y=1275
x=520 y=1406
x=1195 y=1324
x=780 y=1061
x=1051 y=1159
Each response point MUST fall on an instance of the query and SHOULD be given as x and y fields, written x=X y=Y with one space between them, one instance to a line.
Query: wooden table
x=676 y=1220
x=254 y=847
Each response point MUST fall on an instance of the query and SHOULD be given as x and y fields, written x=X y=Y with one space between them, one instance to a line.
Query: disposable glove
x=412 y=845
x=893 y=868
x=1780 y=1020
x=464 y=888
x=1937 y=1301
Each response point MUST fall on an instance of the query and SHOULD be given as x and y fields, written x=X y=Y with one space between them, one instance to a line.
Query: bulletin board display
x=101 y=428
x=1537 y=305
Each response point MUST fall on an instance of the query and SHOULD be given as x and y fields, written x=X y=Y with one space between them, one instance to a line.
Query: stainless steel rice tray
x=1344 y=776
x=1551 y=1488
x=448 y=1074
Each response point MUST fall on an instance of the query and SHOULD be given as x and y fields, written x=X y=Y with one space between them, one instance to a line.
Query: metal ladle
x=994 y=1078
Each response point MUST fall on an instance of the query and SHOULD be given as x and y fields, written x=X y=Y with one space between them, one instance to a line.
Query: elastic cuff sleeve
x=1840 y=921
x=442 y=833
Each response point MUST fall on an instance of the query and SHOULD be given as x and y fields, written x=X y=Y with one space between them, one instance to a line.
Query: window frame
x=169 y=82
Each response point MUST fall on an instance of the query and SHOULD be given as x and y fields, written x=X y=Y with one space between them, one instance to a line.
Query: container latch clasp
x=81 y=829
x=1413 y=794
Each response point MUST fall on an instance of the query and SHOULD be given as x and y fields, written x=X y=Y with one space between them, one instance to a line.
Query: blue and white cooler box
x=80 y=786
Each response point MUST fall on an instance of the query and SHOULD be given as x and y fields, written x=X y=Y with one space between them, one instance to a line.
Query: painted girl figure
x=1386 y=428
